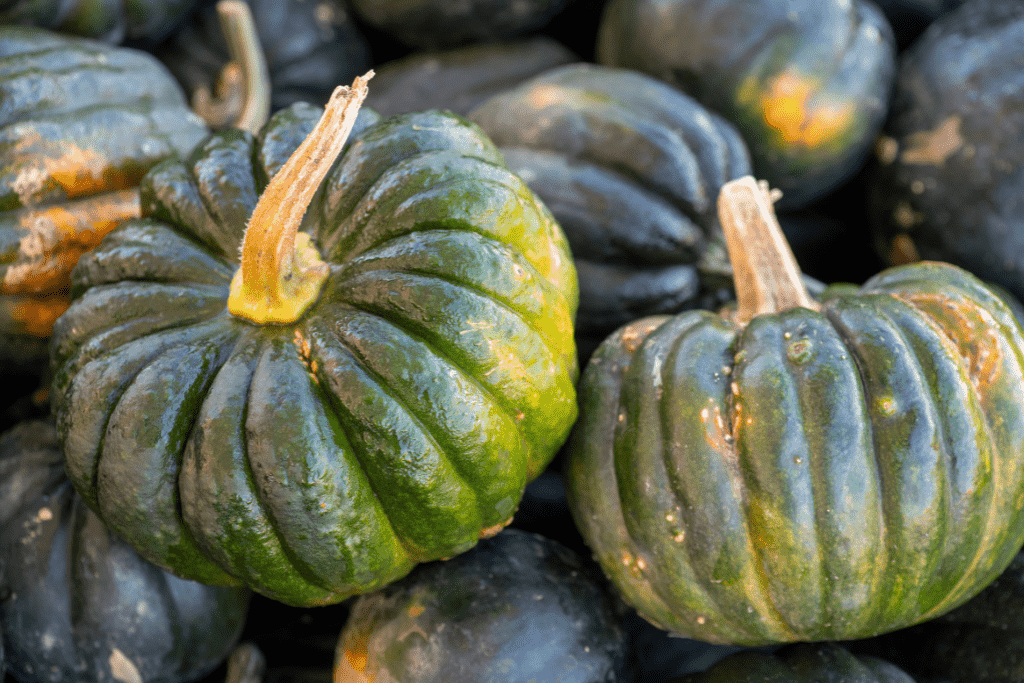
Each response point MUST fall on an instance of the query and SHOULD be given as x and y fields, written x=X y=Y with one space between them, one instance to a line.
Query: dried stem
x=242 y=98
x=281 y=273
x=765 y=272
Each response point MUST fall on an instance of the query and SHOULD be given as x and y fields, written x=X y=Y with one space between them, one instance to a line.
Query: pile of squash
x=575 y=340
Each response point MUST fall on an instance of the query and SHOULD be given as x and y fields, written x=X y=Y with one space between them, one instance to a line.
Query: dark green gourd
x=804 y=471
x=77 y=604
x=314 y=421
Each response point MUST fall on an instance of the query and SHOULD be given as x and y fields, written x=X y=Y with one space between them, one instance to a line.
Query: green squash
x=948 y=176
x=630 y=167
x=461 y=78
x=800 y=663
x=77 y=604
x=81 y=123
x=807 y=82
x=804 y=471
x=310 y=425
x=518 y=607
x=309 y=48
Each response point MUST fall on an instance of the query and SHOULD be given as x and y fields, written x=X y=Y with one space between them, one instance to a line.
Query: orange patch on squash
x=789 y=107
x=30 y=315
x=54 y=238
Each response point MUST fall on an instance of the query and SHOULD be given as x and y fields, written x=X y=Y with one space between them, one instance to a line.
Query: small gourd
x=807 y=82
x=518 y=607
x=630 y=167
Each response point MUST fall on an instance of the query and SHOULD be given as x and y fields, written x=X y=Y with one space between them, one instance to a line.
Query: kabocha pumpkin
x=518 y=607
x=806 y=82
x=358 y=390
x=803 y=471
x=143 y=22
x=81 y=123
x=77 y=604
x=800 y=663
x=948 y=176
x=630 y=167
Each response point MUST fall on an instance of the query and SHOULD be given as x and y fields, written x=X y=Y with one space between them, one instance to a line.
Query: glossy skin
x=397 y=421
x=81 y=123
x=631 y=169
x=79 y=604
x=310 y=47
x=814 y=476
x=806 y=82
x=948 y=180
x=518 y=608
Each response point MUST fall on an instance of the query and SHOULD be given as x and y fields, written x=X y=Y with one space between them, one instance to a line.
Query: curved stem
x=243 y=89
x=765 y=272
x=281 y=273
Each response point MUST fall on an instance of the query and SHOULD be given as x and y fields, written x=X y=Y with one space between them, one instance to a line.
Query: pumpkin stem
x=765 y=272
x=281 y=272
x=242 y=97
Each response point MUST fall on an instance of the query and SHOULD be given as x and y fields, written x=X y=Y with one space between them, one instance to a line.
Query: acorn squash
x=949 y=173
x=630 y=167
x=459 y=79
x=807 y=82
x=77 y=604
x=81 y=123
x=309 y=48
x=364 y=378
x=518 y=607
x=803 y=471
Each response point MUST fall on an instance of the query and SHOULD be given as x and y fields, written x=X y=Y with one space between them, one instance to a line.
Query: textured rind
x=61 y=97
x=814 y=476
x=396 y=422
x=949 y=170
x=80 y=123
x=631 y=168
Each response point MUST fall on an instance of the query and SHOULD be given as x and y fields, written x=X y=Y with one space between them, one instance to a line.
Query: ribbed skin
x=631 y=169
x=813 y=476
x=79 y=604
x=397 y=421
x=80 y=123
